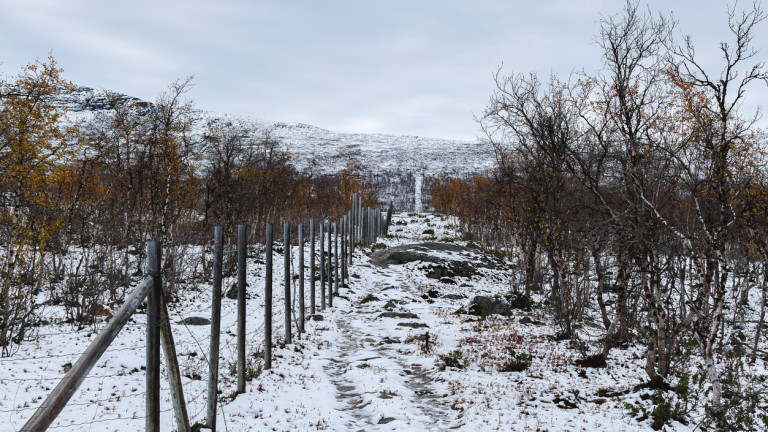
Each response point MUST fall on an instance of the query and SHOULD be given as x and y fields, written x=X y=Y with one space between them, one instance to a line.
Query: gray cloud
x=406 y=67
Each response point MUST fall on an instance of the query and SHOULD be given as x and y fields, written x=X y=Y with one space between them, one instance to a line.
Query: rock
x=564 y=403
x=385 y=420
x=484 y=306
x=429 y=231
x=390 y=305
x=447 y=281
x=412 y=325
x=317 y=317
x=529 y=320
x=438 y=272
x=398 y=315
x=195 y=321
x=593 y=361
x=369 y=298
x=454 y=296
x=413 y=252
x=464 y=269
x=389 y=340
x=433 y=293
x=403 y=257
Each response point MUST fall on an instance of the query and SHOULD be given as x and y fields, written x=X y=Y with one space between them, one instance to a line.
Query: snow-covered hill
x=398 y=165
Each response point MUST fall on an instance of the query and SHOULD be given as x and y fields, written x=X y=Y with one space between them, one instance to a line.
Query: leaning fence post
x=241 y=255
x=312 y=267
x=268 y=300
x=172 y=366
x=213 y=353
x=68 y=385
x=287 y=264
x=153 y=338
x=301 y=277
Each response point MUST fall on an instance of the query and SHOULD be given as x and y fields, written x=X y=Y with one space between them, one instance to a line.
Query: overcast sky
x=394 y=66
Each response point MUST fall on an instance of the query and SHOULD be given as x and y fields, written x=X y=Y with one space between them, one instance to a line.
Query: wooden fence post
x=301 y=277
x=336 y=258
x=322 y=267
x=351 y=245
x=344 y=225
x=153 y=338
x=354 y=218
x=329 y=272
x=363 y=226
x=312 y=267
x=287 y=264
x=359 y=222
x=213 y=353
x=241 y=256
x=172 y=366
x=268 y=300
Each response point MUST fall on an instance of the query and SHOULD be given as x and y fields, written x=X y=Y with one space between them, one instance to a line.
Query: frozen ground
x=354 y=369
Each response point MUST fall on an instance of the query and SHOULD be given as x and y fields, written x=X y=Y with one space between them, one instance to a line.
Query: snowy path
x=382 y=379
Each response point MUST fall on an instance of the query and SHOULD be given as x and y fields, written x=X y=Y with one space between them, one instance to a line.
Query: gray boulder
x=484 y=306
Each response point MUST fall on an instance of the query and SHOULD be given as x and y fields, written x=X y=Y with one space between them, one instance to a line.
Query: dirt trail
x=380 y=384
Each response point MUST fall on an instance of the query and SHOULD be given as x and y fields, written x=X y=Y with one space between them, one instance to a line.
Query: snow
x=352 y=370
x=397 y=165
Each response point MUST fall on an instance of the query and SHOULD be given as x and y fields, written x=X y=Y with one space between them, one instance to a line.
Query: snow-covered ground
x=354 y=369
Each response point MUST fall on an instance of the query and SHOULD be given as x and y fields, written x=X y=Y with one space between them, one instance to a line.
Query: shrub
x=518 y=363
x=452 y=359
x=254 y=365
x=519 y=301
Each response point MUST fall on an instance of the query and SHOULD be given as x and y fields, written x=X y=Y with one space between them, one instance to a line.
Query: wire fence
x=190 y=340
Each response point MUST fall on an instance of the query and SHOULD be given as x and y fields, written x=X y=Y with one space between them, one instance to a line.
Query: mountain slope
x=402 y=167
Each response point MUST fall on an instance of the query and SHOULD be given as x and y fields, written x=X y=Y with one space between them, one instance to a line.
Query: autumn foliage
x=138 y=173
